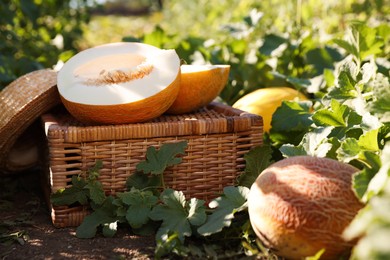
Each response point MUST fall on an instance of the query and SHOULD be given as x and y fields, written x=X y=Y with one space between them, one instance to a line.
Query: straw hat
x=22 y=103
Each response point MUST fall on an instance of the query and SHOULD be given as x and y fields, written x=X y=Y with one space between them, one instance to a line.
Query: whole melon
x=302 y=204
x=265 y=101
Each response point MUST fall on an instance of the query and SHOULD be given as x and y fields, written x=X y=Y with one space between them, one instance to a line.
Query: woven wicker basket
x=218 y=136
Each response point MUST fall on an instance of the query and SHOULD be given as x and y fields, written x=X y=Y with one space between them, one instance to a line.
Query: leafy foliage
x=347 y=118
x=75 y=194
x=139 y=205
x=177 y=214
x=256 y=160
x=36 y=34
x=233 y=200
x=102 y=215
x=372 y=223
x=170 y=215
x=350 y=124
x=157 y=161
x=82 y=190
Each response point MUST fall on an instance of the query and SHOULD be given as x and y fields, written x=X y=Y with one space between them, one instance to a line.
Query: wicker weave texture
x=21 y=103
x=218 y=137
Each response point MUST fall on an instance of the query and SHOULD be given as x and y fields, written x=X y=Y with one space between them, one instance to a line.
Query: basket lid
x=22 y=102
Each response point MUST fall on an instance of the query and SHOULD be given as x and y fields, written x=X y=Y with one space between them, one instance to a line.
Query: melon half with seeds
x=119 y=83
x=199 y=85
x=301 y=205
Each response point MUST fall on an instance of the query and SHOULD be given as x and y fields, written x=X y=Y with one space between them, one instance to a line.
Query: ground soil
x=23 y=212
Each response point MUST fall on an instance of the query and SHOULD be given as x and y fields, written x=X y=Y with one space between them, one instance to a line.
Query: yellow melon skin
x=199 y=88
x=265 y=101
x=139 y=111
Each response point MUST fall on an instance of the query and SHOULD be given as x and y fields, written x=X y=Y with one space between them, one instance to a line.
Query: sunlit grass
x=112 y=28
x=206 y=19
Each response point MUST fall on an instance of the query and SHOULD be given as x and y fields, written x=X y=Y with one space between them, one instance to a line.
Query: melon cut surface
x=199 y=85
x=119 y=83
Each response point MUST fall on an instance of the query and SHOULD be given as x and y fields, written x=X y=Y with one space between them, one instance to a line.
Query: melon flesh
x=119 y=83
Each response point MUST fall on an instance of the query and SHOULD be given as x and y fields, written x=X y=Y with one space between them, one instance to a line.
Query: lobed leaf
x=139 y=205
x=380 y=104
x=256 y=160
x=99 y=217
x=292 y=116
x=74 y=194
x=96 y=192
x=177 y=216
x=158 y=160
x=233 y=200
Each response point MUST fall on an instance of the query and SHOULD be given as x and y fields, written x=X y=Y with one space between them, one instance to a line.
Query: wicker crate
x=218 y=136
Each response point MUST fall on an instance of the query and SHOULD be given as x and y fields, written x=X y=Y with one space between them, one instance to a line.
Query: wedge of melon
x=119 y=83
x=199 y=85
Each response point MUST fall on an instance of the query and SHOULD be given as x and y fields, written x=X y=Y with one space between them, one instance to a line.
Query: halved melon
x=119 y=83
x=199 y=85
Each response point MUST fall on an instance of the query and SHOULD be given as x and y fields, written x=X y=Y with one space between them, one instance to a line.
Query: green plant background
x=267 y=43
x=264 y=41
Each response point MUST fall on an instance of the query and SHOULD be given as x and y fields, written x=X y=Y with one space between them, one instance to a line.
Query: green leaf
x=314 y=143
x=382 y=177
x=168 y=244
x=94 y=172
x=363 y=41
x=286 y=137
x=82 y=190
x=99 y=217
x=256 y=160
x=349 y=47
x=323 y=58
x=368 y=72
x=329 y=77
x=369 y=140
x=371 y=225
x=326 y=117
x=96 y=192
x=368 y=42
x=298 y=83
x=271 y=43
x=334 y=117
x=137 y=180
x=289 y=150
x=332 y=153
x=349 y=150
x=362 y=149
x=74 y=194
x=233 y=200
x=177 y=215
x=140 y=204
x=109 y=229
x=142 y=181
x=361 y=180
x=346 y=81
x=380 y=104
x=156 y=38
x=292 y=116
x=157 y=161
